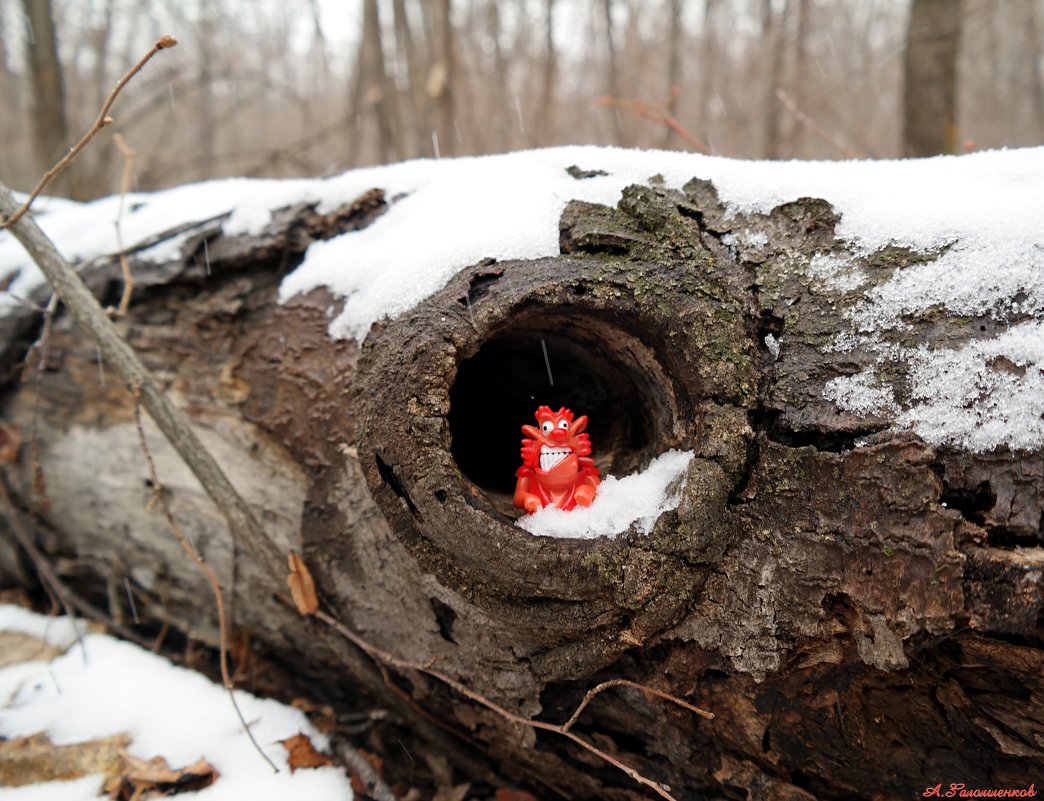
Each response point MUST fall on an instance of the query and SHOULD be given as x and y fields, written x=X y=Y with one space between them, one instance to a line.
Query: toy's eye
x=546 y=426
x=563 y=424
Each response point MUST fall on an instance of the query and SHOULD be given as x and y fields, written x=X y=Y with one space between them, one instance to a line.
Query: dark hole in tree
x=972 y=502
x=445 y=617
x=599 y=368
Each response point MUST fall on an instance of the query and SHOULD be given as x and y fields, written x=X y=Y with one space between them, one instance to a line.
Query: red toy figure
x=556 y=463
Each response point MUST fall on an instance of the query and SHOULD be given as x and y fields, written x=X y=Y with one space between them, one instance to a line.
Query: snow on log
x=845 y=569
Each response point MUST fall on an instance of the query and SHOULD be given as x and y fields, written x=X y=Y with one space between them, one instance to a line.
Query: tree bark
x=859 y=610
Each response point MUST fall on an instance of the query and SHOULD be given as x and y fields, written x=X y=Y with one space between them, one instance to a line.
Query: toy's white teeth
x=549 y=457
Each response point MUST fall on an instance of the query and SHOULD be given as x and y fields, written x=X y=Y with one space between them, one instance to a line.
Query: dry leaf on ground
x=10 y=442
x=302 y=587
x=302 y=754
x=139 y=779
x=358 y=783
x=35 y=759
x=16 y=647
x=456 y=793
x=507 y=794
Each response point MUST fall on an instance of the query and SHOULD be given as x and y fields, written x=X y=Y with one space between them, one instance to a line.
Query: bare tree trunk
x=500 y=111
x=1035 y=26
x=773 y=28
x=322 y=53
x=442 y=77
x=50 y=123
x=549 y=75
x=416 y=103
x=5 y=68
x=930 y=78
x=378 y=90
x=612 y=76
x=709 y=65
x=9 y=97
x=799 y=77
x=675 y=37
x=206 y=136
x=100 y=38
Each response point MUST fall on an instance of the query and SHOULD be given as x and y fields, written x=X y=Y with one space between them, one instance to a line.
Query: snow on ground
x=983 y=209
x=620 y=502
x=102 y=686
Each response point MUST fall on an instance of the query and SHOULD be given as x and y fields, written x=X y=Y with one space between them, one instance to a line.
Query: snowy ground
x=98 y=687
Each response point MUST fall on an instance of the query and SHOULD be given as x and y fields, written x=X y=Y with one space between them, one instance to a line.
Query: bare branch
x=661 y=115
x=10 y=218
x=54 y=585
x=814 y=126
x=206 y=570
x=606 y=685
x=90 y=316
x=375 y=786
x=128 y=154
x=380 y=655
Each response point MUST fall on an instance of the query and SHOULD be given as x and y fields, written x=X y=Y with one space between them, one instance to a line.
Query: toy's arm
x=524 y=499
x=530 y=447
x=587 y=482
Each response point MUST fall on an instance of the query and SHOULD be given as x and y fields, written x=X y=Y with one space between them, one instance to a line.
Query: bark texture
x=859 y=610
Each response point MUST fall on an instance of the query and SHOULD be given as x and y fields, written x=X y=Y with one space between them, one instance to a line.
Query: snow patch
x=841 y=274
x=861 y=393
x=620 y=503
x=986 y=394
x=83 y=789
x=1000 y=278
x=746 y=237
x=109 y=687
x=58 y=632
x=773 y=345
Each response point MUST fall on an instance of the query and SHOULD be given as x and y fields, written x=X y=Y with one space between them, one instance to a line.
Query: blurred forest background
x=313 y=87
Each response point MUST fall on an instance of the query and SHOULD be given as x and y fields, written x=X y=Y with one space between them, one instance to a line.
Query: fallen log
x=850 y=580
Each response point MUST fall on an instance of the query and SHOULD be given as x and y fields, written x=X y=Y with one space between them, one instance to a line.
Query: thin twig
x=9 y=219
x=375 y=786
x=821 y=132
x=661 y=115
x=118 y=354
x=67 y=598
x=205 y=569
x=90 y=316
x=157 y=643
x=41 y=346
x=183 y=540
x=128 y=154
x=388 y=658
x=42 y=342
x=605 y=685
